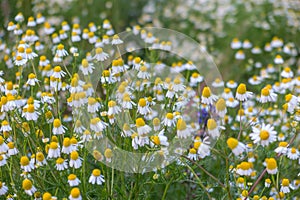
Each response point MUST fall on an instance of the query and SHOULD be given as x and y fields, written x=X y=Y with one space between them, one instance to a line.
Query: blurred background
x=213 y=23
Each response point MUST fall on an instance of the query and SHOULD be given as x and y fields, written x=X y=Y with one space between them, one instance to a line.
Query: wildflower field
x=115 y=99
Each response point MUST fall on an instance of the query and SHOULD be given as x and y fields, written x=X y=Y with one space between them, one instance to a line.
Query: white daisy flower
x=242 y=94
x=263 y=135
x=73 y=180
x=207 y=97
x=96 y=177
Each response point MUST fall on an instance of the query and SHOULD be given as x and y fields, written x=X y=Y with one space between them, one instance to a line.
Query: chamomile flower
x=96 y=177
x=143 y=107
x=32 y=80
x=12 y=150
x=113 y=108
x=182 y=130
x=236 y=43
x=267 y=95
x=40 y=159
x=58 y=128
x=263 y=135
x=5 y=127
x=73 y=180
x=287 y=73
x=75 y=194
x=28 y=187
x=75 y=160
x=54 y=150
x=271 y=166
x=293 y=153
x=61 y=164
x=143 y=74
x=58 y=73
x=156 y=124
x=169 y=120
x=237 y=147
x=282 y=148
x=242 y=94
x=244 y=169
x=212 y=128
x=86 y=67
x=221 y=109
x=2 y=160
x=207 y=97
x=3 y=146
x=60 y=51
x=240 y=55
x=97 y=125
x=116 y=40
x=192 y=154
x=285 y=186
x=100 y=55
x=3 y=188
x=31 y=114
x=142 y=127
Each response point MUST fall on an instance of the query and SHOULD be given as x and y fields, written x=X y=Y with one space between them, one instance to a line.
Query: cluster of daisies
x=53 y=107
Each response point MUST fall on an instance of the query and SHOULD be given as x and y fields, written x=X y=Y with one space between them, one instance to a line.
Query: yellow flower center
x=99 y=50
x=271 y=163
x=285 y=182
x=47 y=196
x=142 y=102
x=24 y=161
x=232 y=143
x=112 y=104
x=177 y=81
x=241 y=89
x=156 y=140
x=181 y=125
x=156 y=121
x=288 y=97
x=56 y=123
x=96 y=172
x=60 y=47
x=66 y=142
x=211 y=124
x=74 y=155
x=53 y=145
x=27 y=184
x=193 y=151
x=245 y=165
x=264 y=135
x=75 y=192
x=221 y=104
x=139 y=122
x=206 y=92
x=265 y=91
x=169 y=116
x=40 y=156
x=143 y=68
x=95 y=120
x=57 y=69
x=59 y=161
x=72 y=177
x=293 y=150
x=30 y=108
x=108 y=153
x=84 y=63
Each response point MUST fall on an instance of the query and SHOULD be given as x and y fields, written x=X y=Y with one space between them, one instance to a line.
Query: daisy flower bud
x=108 y=154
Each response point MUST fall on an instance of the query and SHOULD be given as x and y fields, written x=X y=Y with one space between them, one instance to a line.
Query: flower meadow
x=90 y=111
